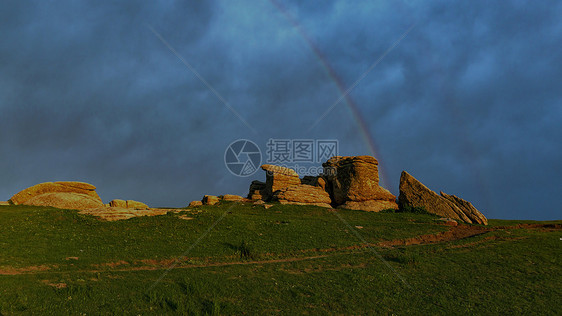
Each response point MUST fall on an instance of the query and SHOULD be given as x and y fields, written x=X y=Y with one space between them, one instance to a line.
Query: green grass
x=508 y=271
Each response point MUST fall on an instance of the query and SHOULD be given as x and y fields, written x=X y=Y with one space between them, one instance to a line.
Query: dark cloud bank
x=469 y=102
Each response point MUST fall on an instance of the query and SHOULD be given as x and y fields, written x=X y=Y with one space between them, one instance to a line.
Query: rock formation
x=232 y=198
x=353 y=183
x=118 y=203
x=276 y=178
x=195 y=203
x=65 y=195
x=302 y=194
x=284 y=185
x=317 y=181
x=257 y=190
x=128 y=204
x=348 y=182
x=467 y=208
x=136 y=205
x=210 y=200
x=414 y=194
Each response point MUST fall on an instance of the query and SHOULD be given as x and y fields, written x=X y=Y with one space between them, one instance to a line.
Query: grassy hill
x=244 y=259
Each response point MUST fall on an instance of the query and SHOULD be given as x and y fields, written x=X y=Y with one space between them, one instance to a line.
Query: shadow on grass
x=246 y=251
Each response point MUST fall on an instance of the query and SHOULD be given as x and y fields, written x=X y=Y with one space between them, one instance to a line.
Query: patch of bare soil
x=546 y=227
x=151 y=264
x=24 y=270
x=111 y=264
x=454 y=233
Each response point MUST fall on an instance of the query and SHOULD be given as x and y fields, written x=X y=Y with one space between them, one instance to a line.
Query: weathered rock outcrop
x=118 y=203
x=128 y=204
x=353 y=183
x=65 y=195
x=210 y=200
x=257 y=190
x=276 y=178
x=54 y=187
x=136 y=205
x=232 y=198
x=414 y=194
x=195 y=203
x=64 y=200
x=302 y=194
x=317 y=181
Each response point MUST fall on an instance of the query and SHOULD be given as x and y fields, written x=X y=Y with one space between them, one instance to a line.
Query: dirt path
x=454 y=233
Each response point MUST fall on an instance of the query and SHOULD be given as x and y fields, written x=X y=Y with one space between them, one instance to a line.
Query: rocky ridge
x=350 y=182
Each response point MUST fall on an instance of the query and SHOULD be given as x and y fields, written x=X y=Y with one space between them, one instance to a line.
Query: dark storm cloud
x=468 y=102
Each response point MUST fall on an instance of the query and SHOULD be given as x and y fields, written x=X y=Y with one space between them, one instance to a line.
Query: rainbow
x=361 y=123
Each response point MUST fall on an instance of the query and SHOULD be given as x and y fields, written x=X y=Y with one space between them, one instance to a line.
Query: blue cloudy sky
x=469 y=101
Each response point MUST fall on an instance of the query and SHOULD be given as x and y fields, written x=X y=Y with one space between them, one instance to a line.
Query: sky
x=142 y=99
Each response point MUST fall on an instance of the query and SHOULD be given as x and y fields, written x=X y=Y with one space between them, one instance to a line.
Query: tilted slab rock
x=55 y=187
x=413 y=193
x=355 y=179
x=467 y=208
x=303 y=194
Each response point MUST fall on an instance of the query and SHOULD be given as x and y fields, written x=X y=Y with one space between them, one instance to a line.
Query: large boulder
x=210 y=200
x=413 y=193
x=195 y=203
x=232 y=198
x=137 y=205
x=302 y=194
x=54 y=187
x=353 y=183
x=65 y=200
x=66 y=195
x=276 y=178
